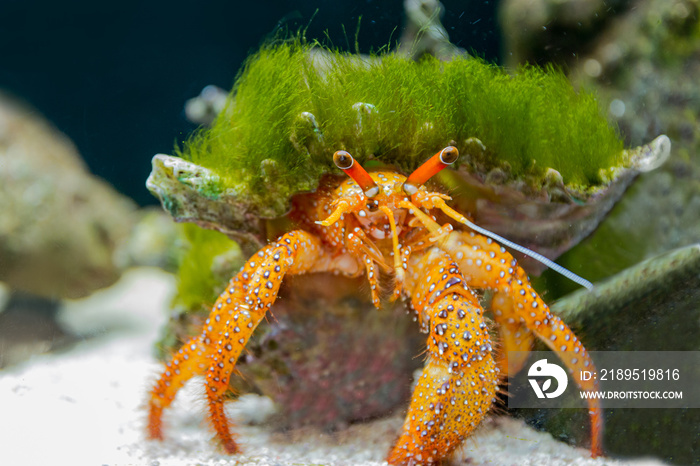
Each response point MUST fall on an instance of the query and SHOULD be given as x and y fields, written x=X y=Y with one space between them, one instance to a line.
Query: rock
x=190 y=193
x=153 y=241
x=59 y=225
x=541 y=31
x=28 y=327
x=648 y=307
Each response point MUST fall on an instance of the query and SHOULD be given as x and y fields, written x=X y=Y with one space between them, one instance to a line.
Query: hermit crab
x=291 y=108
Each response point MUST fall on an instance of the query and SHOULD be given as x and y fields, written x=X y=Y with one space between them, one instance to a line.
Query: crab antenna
x=347 y=163
x=440 y=204
x=430 y=168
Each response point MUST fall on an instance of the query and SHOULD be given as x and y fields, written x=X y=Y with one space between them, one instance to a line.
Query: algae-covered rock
x=286 y=117
x=59 y=226
x=554 y=218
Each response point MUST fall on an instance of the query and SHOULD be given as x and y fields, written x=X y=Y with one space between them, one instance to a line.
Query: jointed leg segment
x=235 y=315
x=522 y=313
x=193 y=358
x=457 y=386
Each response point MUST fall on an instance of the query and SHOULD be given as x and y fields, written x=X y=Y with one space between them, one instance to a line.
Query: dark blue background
x=114 y=75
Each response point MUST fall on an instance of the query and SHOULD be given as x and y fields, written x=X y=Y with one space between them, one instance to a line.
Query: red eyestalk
x=430 y=168
x=347 y=163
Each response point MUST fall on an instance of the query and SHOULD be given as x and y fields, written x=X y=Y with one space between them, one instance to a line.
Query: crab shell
x=550 y=219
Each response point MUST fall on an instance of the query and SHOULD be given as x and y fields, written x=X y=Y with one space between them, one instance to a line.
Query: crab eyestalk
x=354 y=170
x=430 y=168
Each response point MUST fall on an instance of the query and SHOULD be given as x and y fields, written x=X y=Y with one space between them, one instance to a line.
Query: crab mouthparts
x=377 y=225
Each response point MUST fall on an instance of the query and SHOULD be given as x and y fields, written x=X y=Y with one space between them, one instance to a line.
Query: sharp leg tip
x=231 y=447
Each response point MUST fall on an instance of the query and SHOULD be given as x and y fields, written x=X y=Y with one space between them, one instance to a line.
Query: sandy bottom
x=86 y=405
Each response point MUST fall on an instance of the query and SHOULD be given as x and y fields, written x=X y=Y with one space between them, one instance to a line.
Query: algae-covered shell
x=535 y=152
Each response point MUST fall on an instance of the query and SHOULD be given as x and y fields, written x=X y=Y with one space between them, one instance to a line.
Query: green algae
x=198 y=282
x=293 y=105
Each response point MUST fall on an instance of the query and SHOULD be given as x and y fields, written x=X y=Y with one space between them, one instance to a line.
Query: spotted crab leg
x=236 y=314
x=459 y=381
x=516 y=340
x=191 y=359
x=487 y=265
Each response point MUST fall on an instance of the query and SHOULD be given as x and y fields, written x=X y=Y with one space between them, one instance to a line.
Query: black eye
x=449 y=155
x=343 y=159
x=372 y=207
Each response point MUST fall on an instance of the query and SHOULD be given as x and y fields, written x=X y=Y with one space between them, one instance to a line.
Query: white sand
x=86 y=406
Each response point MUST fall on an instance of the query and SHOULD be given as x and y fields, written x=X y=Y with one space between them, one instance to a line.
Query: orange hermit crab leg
x=488 y=265
x=295 y=252
x=459 y=381
x=191 y=359
x=515 y=337
x=354 y=170
x=236 y=314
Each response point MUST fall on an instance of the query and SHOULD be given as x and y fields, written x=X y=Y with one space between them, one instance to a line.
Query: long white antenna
x=537 y=256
